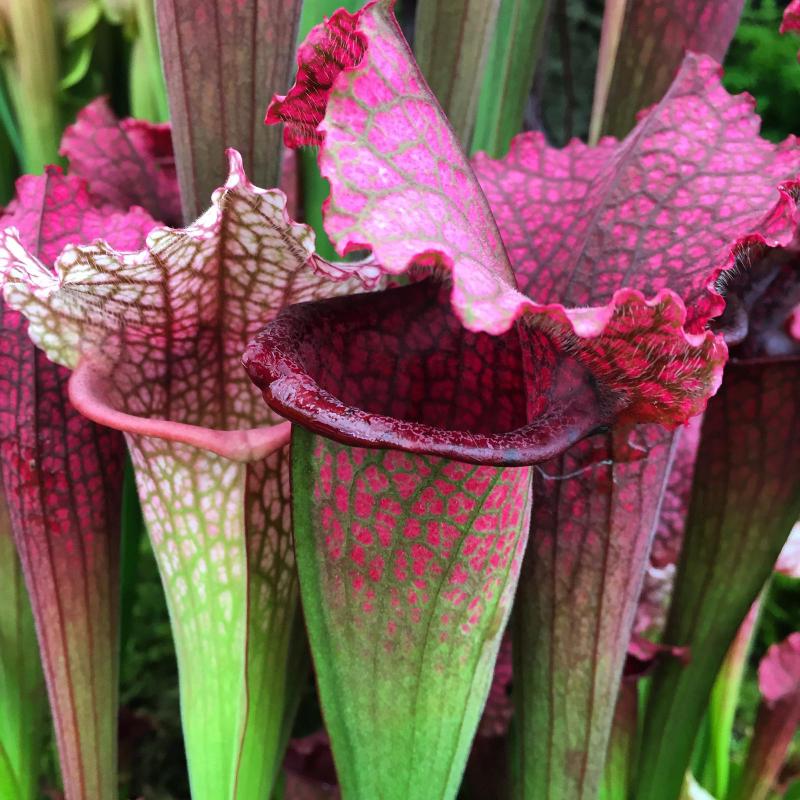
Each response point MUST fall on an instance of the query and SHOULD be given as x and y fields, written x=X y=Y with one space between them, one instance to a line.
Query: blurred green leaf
x=8 y=782
x=120 y=12
x=31 y=67
x=781 y=614
x=508 y=77
x=76 y=62
x=724 y=701
x=79 y=20
x=452 y=39
x=10 y=128
x=793 y=792
x=148 y=90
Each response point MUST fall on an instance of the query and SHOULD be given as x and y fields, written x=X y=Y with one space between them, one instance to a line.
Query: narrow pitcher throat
x=761 y=296
x=396 y=369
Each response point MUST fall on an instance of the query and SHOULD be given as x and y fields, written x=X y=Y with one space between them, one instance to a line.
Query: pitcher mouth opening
x=396 y=369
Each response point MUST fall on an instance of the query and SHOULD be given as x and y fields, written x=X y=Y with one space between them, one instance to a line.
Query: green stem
x=514 y=54
x=622 y=744
x=451 y=42
x=22 y=696
x=10 y=129
x=222 y=63
x=33 y=79
x=315 y=190
x=148 y=90
x=9 y=787
x=724 y=700
x=9 y=169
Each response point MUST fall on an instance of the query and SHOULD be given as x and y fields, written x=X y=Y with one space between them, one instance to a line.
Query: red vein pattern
x=241 y=50
x=672 y=520
x=745 y=500
x=397 y=369
x=401 y=186
x=126 y=162
x=651 y=614
x=150 y=322
x=655 y=37
x=595 y=512
x=408 y=566
x=304 y=109
x=691 y=191
x=156 y=338
x=62 y=475
x=686 y=202
x=690 y=195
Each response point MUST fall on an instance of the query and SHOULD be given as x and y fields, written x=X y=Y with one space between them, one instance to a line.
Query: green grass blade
x=510 y=66
x=452 y=39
